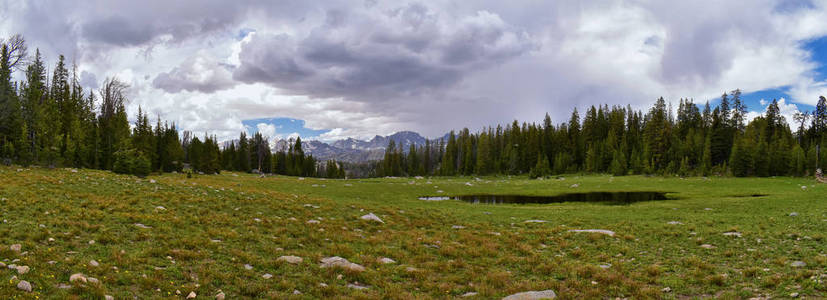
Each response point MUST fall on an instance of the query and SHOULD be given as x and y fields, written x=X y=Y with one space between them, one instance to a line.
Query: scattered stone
x=92 y=242
x=793 y=214
x=77 y=277
x=601 y=231
x=322 y=284
x=372 y=217
x=439 y=191
x=457 y=227
x=532 y=295
x=385 y=260
x=574 y=185
x=606 y=266
x=220 y=295
x=794 y=295
x=267 y=276
x=257 y=220
x=707 y=208
x=674 y=223
x=707 y=246
x=248 y=267
x=534 y=221
x=139 y=225
x=22 y=270
x=335 y=261
x=312 y=221
x=732 y=233
x=93 y=280
x=109 y=297
x=160 y=208
x=666 y=290
x=25 y=286
x=63 y=286
x=16 y=247
x=798 y=264
x=296 y=292
x=411 y=270
x=469 y=294
x=469 y=184
x=192 y=295
x=356 y=286
x=152 y=181
x=290 y=259
x=94 y=263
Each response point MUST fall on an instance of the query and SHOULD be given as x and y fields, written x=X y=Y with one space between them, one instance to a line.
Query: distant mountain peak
x=355 y=150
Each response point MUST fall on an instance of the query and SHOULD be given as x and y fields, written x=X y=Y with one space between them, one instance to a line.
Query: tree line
x=52 y=121
x=621 y=141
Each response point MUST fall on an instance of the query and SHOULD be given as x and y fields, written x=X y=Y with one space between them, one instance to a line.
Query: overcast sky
x=367 y=67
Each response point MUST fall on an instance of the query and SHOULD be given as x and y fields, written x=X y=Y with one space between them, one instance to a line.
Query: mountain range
x=353 y=150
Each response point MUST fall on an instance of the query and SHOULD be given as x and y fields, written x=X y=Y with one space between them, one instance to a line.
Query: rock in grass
x=372 y=217
x=532 y=295
x=94 y=263
x=93 y=280
x=601 y=231
x=219 y=296
x=248 y=267
x=296 y=292
x=674 y=223
x=22 y=270
x=24 y=286
x=290 y=259
x=469 y=294
x=142 y=226
x=16 y=247
x=192 y=295
x=312 y=221
x=267 y=276
x=77 y=277
x=357 y=286
x=108 y=297
x=534 y=221
x=338 y=262
x=385 y=260
x=793 y=214
x=798 y=264
x=707 y=246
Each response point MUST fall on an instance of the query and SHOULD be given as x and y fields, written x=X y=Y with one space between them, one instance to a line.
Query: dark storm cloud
x=375 y=54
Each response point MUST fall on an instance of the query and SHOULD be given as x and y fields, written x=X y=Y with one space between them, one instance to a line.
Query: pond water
x=609 y=198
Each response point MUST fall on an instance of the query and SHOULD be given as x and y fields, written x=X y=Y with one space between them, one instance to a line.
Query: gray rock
x=532 y=295
x=385 y=260
x=312 y=221
x=338 y=262
x=248 y=267
x=793 y=214
x=25 y=286
x=290 y=259
x=674 y=223
x=139 y=225
x=267 y=276
x=372 y=217
x=798 y=264
x=93 y=280
x=457 y=227
x=22 y=270
x=357 y=286
x=732 y=233
x=77 y=277
x=109 y=297
x=94 y=263
x=220 y=295
x=469 y=294
x=192 y=295
x=534 y=221
x=601 y=231
x=16 y=247
x=707 y=246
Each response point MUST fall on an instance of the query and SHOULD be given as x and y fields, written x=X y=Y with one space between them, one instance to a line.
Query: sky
x=334 y=69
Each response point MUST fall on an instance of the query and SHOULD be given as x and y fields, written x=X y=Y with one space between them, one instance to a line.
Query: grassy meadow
x=166 y=236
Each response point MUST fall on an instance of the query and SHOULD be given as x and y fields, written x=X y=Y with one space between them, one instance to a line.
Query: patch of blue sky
x=284 y=127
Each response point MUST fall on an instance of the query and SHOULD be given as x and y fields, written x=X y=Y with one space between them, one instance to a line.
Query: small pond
x=609 y=198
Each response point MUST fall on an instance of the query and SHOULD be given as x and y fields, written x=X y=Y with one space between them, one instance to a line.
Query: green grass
x=213 y=225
